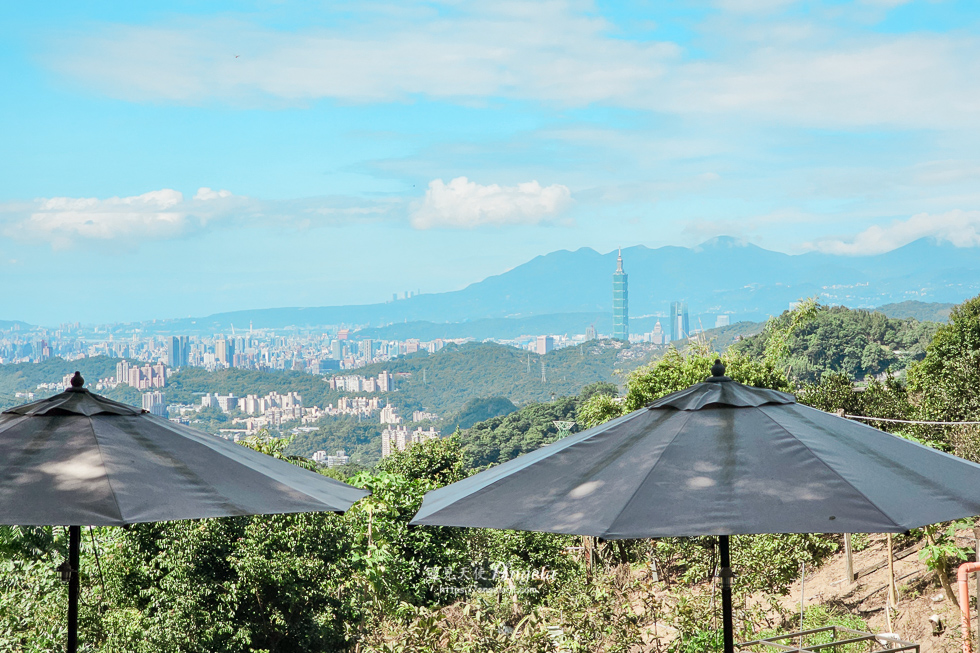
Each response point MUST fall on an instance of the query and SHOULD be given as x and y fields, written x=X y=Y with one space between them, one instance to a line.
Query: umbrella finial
x=717 y=372
x=77 y=381
x=718 y=369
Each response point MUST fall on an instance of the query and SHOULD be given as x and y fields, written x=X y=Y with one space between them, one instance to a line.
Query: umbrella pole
x=74 y=543
x=727 y=621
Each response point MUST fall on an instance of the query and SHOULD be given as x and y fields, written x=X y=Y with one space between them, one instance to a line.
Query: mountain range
x=721 y=276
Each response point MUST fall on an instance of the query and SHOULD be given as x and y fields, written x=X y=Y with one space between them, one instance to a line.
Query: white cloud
x=62 y=220
x=810 y=73
x=754 y=6
x=961 y=228
x=887 y=4
x=206 y=193
x=888 y=81
x=541 y=50
x=164 y=214
x=466 y=204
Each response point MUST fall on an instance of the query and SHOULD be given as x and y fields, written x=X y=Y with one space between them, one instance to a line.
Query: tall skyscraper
x=178 y=351
x=621 y=310
x=680 y=326
x=224 y=350
x=544 y=344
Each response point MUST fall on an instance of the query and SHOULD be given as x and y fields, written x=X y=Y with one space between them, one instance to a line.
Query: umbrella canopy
x=81 y=459
x=718 y=458
x=78 y=458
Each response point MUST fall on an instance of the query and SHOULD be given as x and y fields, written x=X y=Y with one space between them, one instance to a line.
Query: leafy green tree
x=233 y=584
x=32 y=604
x=439 y=461
x=815 y=340
x=944 y=384
x=836 y=392
x=400 y=562
x=940 y=548
x=677 y=371
x=598 y=409
x=598 y=388
x=769 y=563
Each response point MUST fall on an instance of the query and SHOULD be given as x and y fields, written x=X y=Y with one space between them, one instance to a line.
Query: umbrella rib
x=690 y=414
x=832 y=470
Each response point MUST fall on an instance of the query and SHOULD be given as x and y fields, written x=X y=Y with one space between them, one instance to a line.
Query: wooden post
x=848 y=558
x=802 y=585
x=892 y=588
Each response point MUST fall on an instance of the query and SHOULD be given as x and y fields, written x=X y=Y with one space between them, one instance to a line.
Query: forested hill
x=857 y=342
x=442 y=382
x=25 y=377
x=921 y=311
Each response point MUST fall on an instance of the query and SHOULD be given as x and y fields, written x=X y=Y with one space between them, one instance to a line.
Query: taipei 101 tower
x=621 y=304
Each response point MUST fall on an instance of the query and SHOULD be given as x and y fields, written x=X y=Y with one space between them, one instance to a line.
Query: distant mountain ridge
x=722 y=275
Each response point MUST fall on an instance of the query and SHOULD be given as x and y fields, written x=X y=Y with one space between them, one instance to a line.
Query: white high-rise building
x=153 y=403
x=394 y=438
x=389 y=415
x=657 y=335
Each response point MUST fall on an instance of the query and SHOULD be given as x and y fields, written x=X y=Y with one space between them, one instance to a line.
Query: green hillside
x=442 y=382
x=477 y=382
x=857 y=342
x=25 y=377
x=921 y=311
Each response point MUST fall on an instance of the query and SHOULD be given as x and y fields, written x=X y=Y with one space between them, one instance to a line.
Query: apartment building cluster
x=142 y=377
x=384 y=382
x=154 y=403
x=275 y=409
x=356 y=406
x=399 y=438
x=321 y=457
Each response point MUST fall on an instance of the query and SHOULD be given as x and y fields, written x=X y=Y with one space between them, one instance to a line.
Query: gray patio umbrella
x=718 y=458
x=80 y=459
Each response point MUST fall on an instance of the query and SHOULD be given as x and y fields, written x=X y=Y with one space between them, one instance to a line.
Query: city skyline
x=188 y=158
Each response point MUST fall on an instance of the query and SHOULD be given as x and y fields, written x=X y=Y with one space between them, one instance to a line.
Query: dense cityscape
x=147 y=362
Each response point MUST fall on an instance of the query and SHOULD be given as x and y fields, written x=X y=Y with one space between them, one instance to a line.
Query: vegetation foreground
x=366 y=581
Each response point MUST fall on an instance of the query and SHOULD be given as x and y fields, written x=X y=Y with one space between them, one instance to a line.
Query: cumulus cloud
x=961 y=228
x=466 y=204
x=62 y=220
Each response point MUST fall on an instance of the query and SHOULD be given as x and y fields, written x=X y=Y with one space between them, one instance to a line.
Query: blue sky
x=187 y=158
